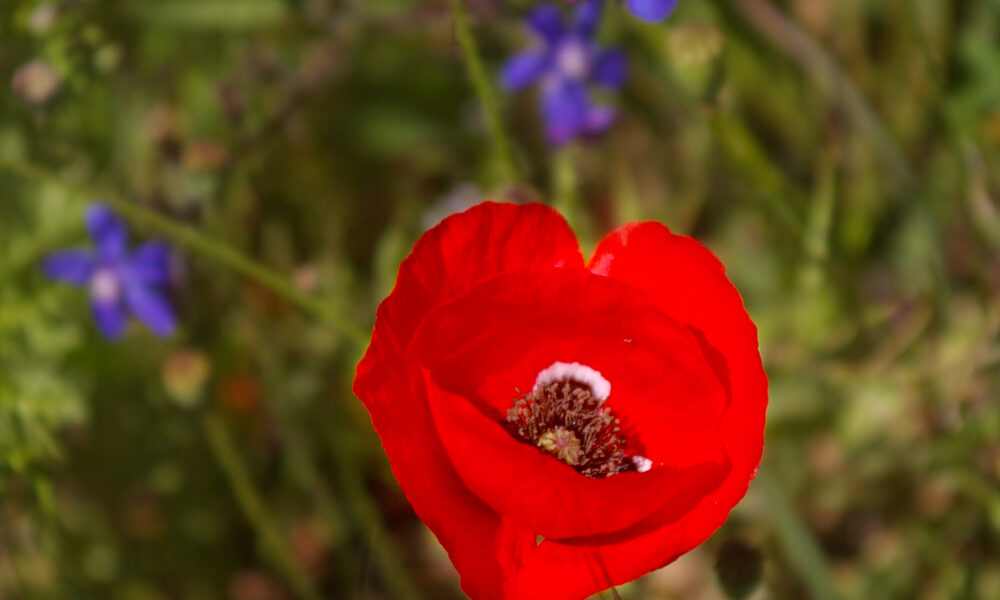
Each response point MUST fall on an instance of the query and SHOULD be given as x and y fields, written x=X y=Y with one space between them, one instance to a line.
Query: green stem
x=801 y=548
x=484 y=89
x=613 y=592
x=365 y=516
x=304 y=470
x=565 y=191
x=193 y=240
x=271 y=543
x=564 y=186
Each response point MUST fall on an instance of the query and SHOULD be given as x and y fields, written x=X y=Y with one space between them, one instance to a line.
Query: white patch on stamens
x=560 y=371
x=642 y=464
x=104 y=286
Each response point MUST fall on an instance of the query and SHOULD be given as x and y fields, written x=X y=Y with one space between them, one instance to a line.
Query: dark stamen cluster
x=565 y=420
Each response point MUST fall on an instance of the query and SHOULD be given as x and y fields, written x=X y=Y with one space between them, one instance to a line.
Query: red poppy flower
x=564 y=427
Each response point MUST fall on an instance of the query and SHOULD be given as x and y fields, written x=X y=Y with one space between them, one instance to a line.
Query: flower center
x=104 y=286
x=563 y=444
x=565 y=417
x=572 y=60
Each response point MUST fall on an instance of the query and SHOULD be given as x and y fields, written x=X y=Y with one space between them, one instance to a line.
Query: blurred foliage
x=840 y=157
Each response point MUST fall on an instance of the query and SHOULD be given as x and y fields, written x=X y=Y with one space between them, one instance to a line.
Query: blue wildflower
x=119 y=281
x=651 y=10
x=567 y=63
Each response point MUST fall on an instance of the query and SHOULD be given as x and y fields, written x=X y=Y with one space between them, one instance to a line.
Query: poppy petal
x=69 y=266
x=470 y=531
x=486 y=240
x=108 y=232
x=540 y=494
x=690 y=284
x=489 y=346
x=485 y=345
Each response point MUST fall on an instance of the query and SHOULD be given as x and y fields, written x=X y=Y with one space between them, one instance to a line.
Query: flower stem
x=484 y=89
x=195 y=241
x=364 y=514
x=564 y=185
x=801 y=548
x=272 y=544
x=565 y=192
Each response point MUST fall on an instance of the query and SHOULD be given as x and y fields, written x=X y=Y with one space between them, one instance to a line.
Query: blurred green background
x=840 y=157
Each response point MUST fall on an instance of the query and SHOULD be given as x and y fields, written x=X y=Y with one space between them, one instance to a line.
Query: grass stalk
x=271 y=543
x=484 y=90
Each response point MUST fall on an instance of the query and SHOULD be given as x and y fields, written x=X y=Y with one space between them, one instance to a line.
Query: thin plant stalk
x=485 y=90
x=801 y=548
x=365 y=517
x=564 y=186
x=272 y=545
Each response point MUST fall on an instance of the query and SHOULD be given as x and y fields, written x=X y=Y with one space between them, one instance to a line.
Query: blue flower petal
x=652 y=10
x=523 y=69
x=108 y=232
x=564 y=107
x=69 y=266
x=567 y=67
x=587 y=17
x=150 y=263
x=610 y=68
x=546 y=21
x=110 y=318
x=151 y=308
